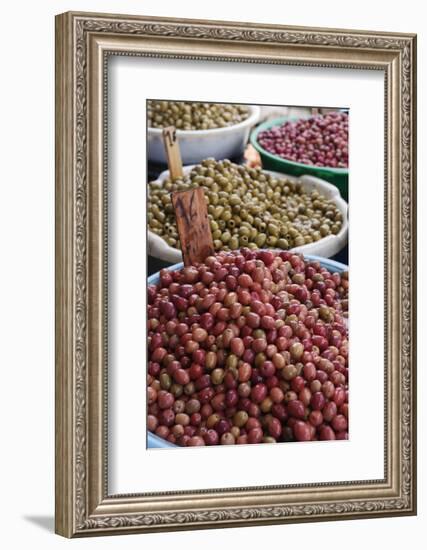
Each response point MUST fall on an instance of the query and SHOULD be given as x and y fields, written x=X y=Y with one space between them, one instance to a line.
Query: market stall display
x=250 y=346
x=248 y=339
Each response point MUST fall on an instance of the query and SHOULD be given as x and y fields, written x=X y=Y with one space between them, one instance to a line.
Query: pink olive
x=339 y=423
x=181 y=376
x=326 y=433
x=302 y=431
x=211 y=437
x=255 y=435
x=259 y=393
x=296 y=409
x=315 y=418
x=317 y=401
x=248 y=347
x=329 y=411
x=196 y=441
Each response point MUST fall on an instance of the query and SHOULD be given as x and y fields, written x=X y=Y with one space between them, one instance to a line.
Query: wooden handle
x=173 y=153
x=193 y=225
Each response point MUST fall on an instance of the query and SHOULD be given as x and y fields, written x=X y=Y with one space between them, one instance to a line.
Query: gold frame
x=83 y=43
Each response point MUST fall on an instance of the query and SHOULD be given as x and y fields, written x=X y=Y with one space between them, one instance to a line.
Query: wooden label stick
x=173 y=153
x=193 y=225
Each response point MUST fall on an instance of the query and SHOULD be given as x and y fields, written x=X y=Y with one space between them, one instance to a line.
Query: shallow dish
x=325 y=247
x=156 y=442
x=336 y=176
x=196 y=145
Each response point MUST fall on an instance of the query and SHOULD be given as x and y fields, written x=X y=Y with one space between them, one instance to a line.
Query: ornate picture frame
x=83 y=43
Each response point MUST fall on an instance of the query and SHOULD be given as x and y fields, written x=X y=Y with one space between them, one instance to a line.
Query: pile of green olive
x=185 y=115
x=247 y=208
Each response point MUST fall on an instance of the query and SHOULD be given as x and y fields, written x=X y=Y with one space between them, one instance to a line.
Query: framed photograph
x=235 y=227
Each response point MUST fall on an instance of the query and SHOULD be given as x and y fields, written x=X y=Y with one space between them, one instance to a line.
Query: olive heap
x=321 y=140
x=248 y=347
x=246 y=208
x=185 y=115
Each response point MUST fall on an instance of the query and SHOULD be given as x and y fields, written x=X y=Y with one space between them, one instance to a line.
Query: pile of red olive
x=321 y=140
x=249 y=347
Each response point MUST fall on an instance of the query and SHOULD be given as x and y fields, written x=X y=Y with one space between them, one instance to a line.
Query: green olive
x=155 y=223
x=226 y=215
x=165 y=381
x=218 y=211
x=324 y=230
x=273 y=229
x=160 y=216
x=283 y=243
x=176 y=390
x=240 y=418
x=253 y=233
x=260 y=239
x=189 y=388
x=232 y=361
x=234 y=200
x=234 y=243
x=217 y=376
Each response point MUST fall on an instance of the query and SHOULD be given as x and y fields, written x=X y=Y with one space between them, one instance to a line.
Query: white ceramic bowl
x=196 y=145
x=325 y=247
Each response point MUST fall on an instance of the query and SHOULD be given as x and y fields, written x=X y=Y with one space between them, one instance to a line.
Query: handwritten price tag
x=193 y=225
x=173 y=154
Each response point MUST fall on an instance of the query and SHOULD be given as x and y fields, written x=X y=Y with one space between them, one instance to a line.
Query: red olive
x=296 y=409
x=339 y=423
x=326 y=433
x=329 y=411
x=181 y=376
x=259 y=393
x=196 y=441
x=302 y=431
x=255 y=435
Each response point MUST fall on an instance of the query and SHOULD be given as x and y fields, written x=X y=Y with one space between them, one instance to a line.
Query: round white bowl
x=325 y=247
x=196 y=145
